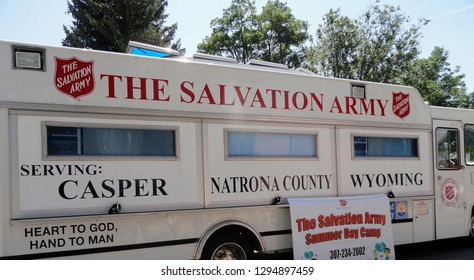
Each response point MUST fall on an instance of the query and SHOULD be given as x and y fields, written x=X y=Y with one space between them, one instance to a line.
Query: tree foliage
x=377 y=46
x=382 y=45
x=274 y=35
x=438 y=84
x=335 y=51
x=110 y=24
x=282 y=36
x=385 y=46
x=234 y=34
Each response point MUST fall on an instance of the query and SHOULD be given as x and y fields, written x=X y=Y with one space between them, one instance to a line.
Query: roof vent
x=306 y=71
x=214 y=58
x=267 y=64
x=150 y=50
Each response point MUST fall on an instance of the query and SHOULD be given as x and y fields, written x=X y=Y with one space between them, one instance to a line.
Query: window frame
x=458 y=148
x=413 y=137
x=471 y=163
x=269 y=158
x=46 y=156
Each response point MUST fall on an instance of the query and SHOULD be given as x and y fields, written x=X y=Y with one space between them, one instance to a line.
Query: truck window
x=264 y=144
x=385 y=147
x=447 y=147
x=94 y=141
x=469 y=144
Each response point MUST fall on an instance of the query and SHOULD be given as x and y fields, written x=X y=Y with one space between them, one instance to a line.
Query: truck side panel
x=270 y=161
x=49 y=183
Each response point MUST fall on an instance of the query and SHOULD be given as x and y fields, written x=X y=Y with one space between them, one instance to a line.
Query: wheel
x=227 y=246
x=471 y=229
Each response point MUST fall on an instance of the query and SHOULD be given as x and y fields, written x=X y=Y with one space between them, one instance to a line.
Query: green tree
x=110 y=24
x=385 y=46
x=282 y=36
x=377 y=46
x=335 y=50
x=437 y=82
x=274 y=35
x=234 y=34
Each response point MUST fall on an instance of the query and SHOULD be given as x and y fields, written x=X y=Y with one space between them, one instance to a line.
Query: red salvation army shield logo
x=401 y=104
x=449 y=192
x=74 y=77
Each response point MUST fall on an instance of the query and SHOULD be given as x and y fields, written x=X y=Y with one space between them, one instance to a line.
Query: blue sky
x=451 y=26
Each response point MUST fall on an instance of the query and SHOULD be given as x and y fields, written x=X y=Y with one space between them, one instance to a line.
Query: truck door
x=449 y=182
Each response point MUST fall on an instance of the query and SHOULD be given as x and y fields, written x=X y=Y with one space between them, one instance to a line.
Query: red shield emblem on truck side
x=449 y=192
x=401 y=104
x=74 y=77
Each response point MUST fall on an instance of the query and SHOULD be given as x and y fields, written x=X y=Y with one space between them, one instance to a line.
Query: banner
x=357 y=227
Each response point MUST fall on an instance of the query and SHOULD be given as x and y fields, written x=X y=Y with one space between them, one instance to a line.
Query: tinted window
x=87 y=141
x=259 y=144
x=385 y=147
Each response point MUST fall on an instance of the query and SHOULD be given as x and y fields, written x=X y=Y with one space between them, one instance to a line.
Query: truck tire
x=227 y=246
x=471 y=228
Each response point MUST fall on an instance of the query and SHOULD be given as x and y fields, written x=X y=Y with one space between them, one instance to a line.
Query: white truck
x=122 y=156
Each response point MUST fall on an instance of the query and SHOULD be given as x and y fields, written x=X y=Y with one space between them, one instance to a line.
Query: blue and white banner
x=356 y=227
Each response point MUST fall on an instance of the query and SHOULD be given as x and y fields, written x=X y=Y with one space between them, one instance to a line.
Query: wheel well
x=246 y=233
x=471 y=228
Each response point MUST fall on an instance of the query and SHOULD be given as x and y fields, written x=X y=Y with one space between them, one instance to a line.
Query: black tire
x=471 y=229
x=227 y=246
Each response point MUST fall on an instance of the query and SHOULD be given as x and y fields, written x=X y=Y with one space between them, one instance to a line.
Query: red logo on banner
x=74 y=77
x=401 y=104
x=343 y=202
